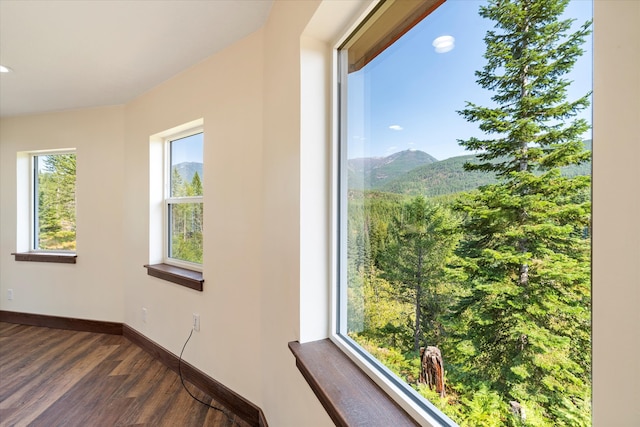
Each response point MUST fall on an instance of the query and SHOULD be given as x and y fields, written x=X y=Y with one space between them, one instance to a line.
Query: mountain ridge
x=188 y=169
x=437 y=177
x=374 y=172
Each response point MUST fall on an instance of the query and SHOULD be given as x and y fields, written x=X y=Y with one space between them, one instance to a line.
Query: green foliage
x=449 y=405
x=186 y=219
x=368 y=216
x=196 y=185
x=525 y=323
x=179 y=187
x=386 y=317
x=422 y=242
x=484 y=408
x=526 y=62
x=401 y=365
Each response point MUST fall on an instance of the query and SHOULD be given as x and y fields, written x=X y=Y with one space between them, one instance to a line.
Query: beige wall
x=92 y=288
x=226 y=92
x=616 y=213
x=289 y=400
x=260 y=139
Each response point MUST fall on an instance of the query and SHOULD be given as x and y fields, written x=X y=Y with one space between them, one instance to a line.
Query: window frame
x=34 y=205
x=168 y=200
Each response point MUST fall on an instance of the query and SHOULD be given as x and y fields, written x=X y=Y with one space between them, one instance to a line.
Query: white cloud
x=444 y=44
x=396 y=127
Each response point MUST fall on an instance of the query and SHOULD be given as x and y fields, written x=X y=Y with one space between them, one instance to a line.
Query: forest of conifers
x=495 y=278
x=186 y=219
x=418 y=258
x=56 y=211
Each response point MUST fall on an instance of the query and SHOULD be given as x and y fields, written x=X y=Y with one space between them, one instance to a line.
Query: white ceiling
x=68 y=54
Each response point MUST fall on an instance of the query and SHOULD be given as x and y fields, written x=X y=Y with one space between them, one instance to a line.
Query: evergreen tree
x=524 y=326
x=48 y=208
x=424 y=238
x=178 y=185
x=368 y=218
x=196 y=185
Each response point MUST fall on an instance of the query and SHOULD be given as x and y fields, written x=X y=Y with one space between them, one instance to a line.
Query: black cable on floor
x=185 y=387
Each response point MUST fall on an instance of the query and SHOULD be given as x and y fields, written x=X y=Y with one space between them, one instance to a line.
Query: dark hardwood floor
x=54 y=377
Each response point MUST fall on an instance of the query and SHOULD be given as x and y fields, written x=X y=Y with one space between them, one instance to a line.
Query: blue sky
x=414 y=91
x=187 y=149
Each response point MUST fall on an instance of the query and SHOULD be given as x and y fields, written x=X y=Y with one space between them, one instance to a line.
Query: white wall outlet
x=196 y=322
x=144 y=315
x=10 y=294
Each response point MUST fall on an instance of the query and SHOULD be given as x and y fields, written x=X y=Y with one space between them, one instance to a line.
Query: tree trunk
x=418 y=329
x=417 y=332
x=524 y=161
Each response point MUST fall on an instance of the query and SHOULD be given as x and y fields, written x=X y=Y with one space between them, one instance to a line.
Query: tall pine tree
x=524 y=326
x=422 y=242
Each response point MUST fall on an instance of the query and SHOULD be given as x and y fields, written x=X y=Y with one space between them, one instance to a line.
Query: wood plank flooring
x=54 y=377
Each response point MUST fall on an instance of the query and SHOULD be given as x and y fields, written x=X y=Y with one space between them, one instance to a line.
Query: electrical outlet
x=144 y=315
x=10 y=294
x=196 y=322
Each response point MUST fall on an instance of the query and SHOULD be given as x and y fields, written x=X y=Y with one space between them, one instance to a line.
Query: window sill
x=181 y=276
x=57 y=257
x=348 y=395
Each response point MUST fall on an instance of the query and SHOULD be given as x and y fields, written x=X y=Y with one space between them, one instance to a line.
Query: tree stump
x=518 y=410
x=432 y=369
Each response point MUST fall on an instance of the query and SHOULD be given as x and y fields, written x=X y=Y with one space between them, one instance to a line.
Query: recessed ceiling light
x=4 y=69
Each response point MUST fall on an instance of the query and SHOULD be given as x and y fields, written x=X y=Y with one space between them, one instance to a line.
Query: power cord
x=190 y=394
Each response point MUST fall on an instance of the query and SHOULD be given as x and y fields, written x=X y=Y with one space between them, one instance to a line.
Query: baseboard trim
x=230 y=399
x=243 y=408
x=57 y=322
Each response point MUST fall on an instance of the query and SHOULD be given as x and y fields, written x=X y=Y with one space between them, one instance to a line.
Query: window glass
x=54 y=202
x=184 y=203
x=186 y=166
x=465 y=209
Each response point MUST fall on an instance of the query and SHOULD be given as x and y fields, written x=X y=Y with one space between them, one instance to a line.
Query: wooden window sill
x=348 y=395
x=181 y=276
x=58 y=257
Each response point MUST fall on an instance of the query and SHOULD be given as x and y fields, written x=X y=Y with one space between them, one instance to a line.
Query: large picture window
x=54 y=202
x=184 y=207
x=464 y=207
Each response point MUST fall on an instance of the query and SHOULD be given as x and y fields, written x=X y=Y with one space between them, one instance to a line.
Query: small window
x=54 y=202
x=184 y=206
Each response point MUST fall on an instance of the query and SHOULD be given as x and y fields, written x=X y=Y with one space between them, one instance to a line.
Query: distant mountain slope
x=188 y=169
x=448 y=176
x=444 y=177
x=375 y=172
